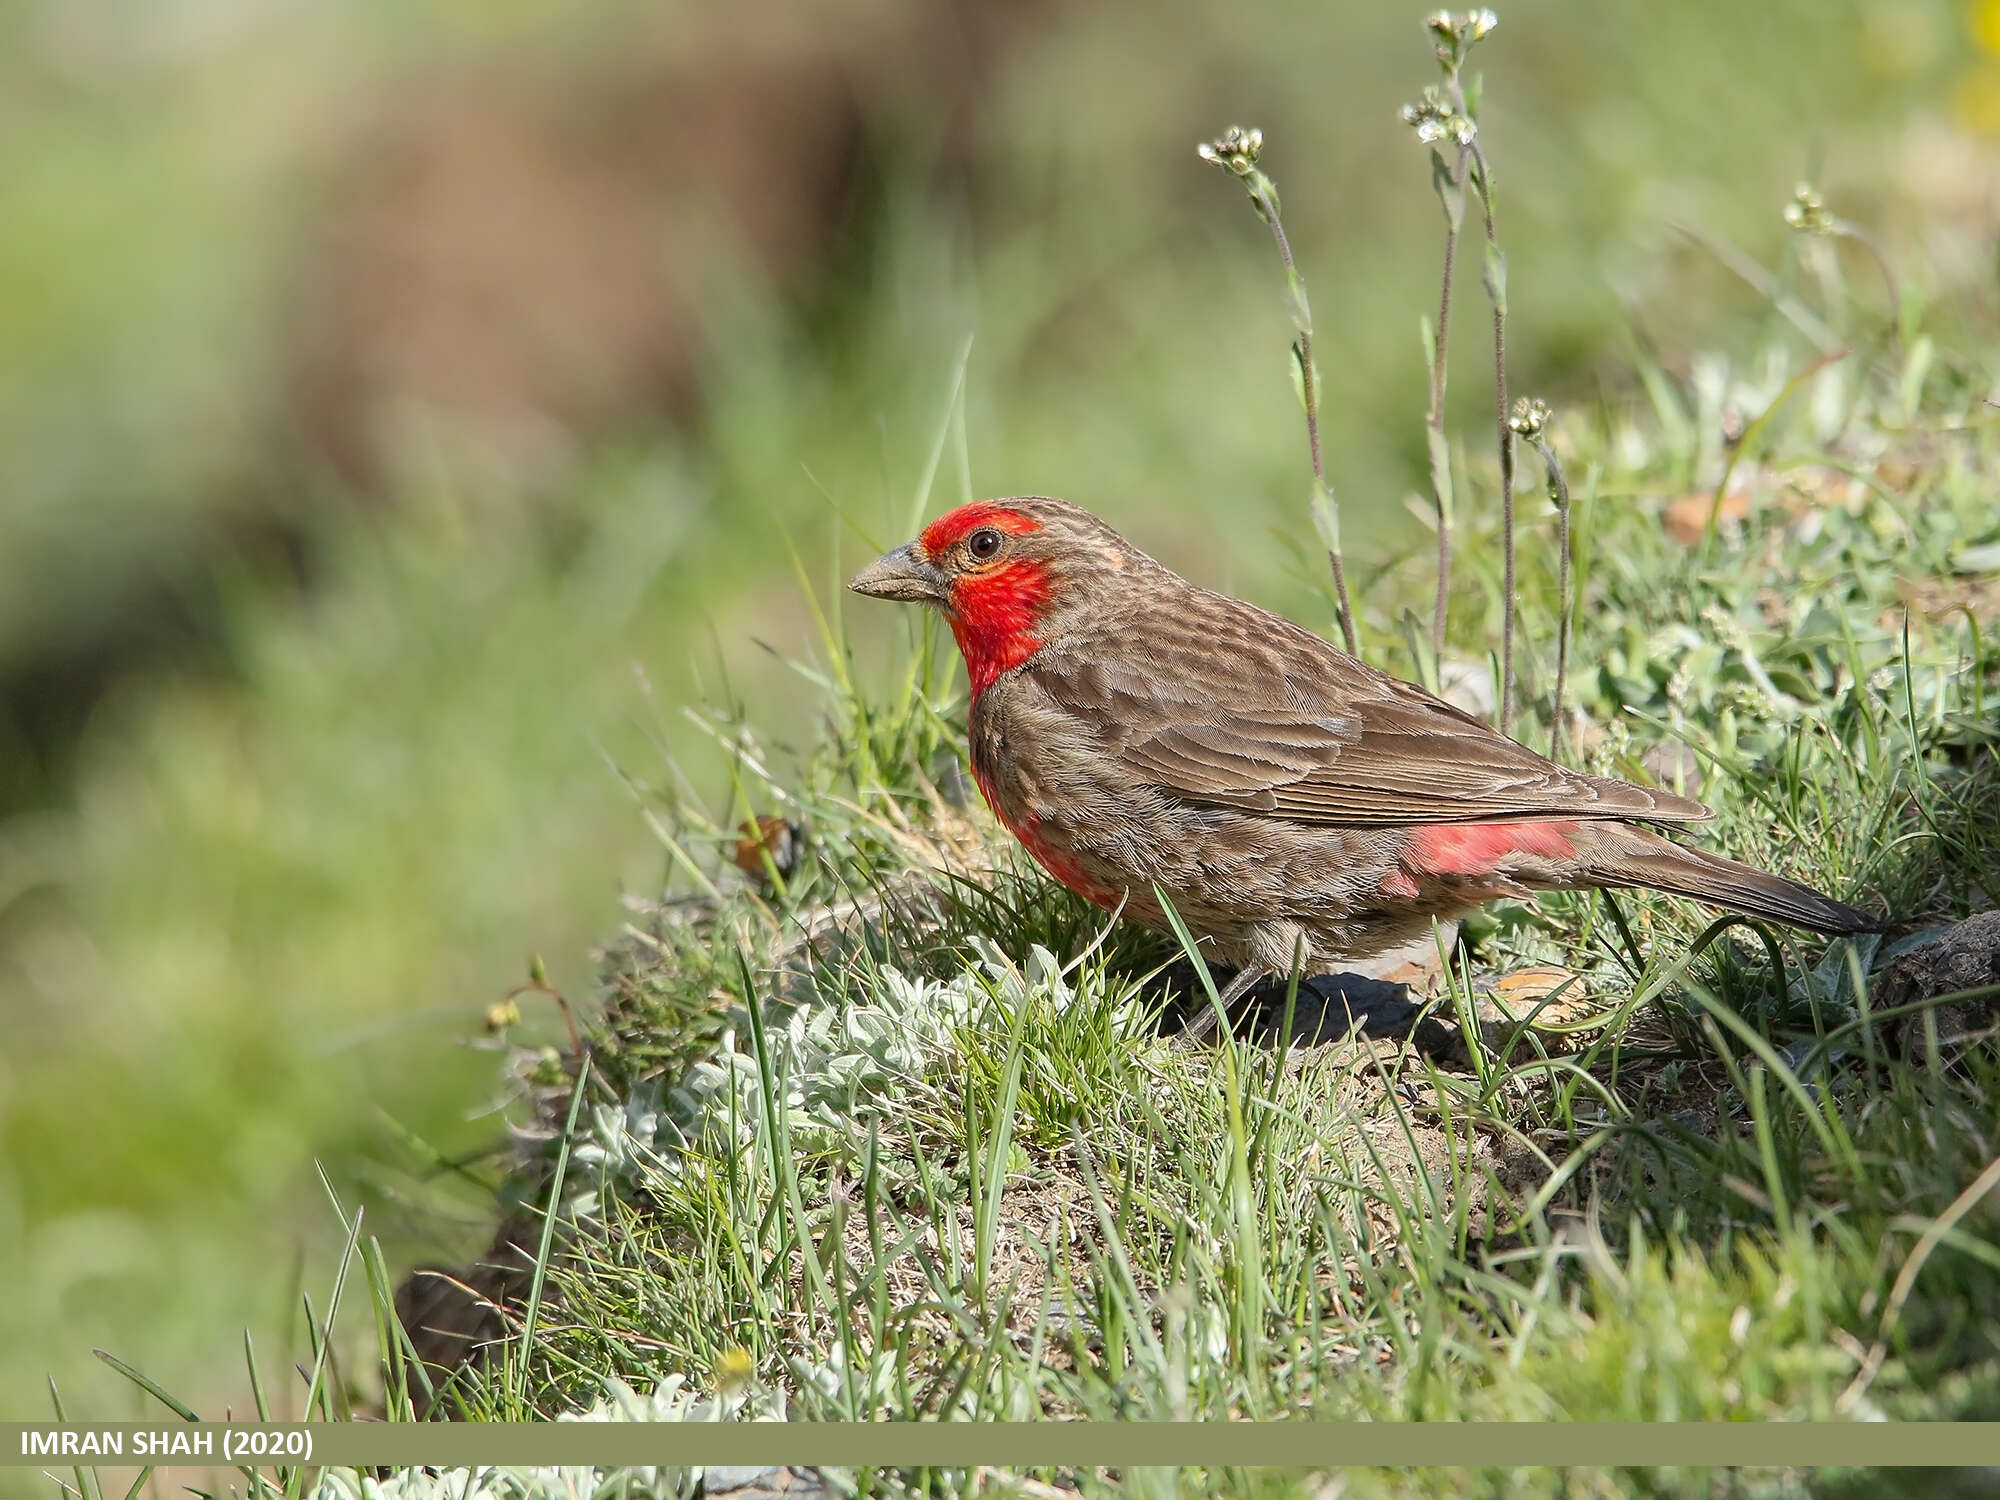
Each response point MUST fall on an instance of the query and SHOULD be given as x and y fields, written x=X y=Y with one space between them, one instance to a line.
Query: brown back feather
x=1223 y=703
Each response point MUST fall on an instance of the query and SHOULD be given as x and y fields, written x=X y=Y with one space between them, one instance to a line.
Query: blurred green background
x=406 y=408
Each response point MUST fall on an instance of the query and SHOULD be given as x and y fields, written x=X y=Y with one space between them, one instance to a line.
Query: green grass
x=250 y=914
x=903 y=1136
x=940 y=1161
x=900 y=1107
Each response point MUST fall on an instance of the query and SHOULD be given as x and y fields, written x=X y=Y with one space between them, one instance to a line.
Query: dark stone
x=757 y=1484
x=453 y=1315
x=1330 y=1008
x=1964 y=957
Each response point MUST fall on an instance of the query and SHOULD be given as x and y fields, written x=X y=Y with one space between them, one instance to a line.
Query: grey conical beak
x=903 y=574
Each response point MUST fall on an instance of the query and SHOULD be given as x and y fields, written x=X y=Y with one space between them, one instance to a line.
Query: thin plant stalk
x=1447 y=112
x=1848 y=230
x=1807 y=214
x=1530 y=422
x=1309 y=397
x=1237 y=149
x=1440 y=450
x=1559 y=492
x=1495 y=279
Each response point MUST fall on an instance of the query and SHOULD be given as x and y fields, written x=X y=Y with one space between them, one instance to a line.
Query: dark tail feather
x=1626 y=856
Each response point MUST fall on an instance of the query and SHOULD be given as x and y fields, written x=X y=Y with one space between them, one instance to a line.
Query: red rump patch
x=1482 y=848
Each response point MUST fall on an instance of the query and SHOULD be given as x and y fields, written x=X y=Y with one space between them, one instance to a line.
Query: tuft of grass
x=897 y=1130
x=909 y=1133
x=905 y=1132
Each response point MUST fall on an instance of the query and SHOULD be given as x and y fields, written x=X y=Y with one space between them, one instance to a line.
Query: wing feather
x=1225 y=704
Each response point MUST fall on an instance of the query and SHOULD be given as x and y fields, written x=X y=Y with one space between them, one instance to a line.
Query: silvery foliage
x=672 y=1400
x=837 y=1066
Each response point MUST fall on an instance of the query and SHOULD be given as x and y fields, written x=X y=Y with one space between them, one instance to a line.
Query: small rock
x=1355 y=1007
x=1686 y=519
x=1539 y=998
x=757 y=1484
x=1965 y=956
x=1358 y=1008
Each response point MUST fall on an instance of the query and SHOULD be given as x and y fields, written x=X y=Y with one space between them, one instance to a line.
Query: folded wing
x=1234 y=707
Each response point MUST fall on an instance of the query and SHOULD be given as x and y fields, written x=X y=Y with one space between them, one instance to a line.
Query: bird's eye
x=983 y=544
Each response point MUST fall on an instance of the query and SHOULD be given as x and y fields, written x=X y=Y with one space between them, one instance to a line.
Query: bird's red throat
x=993 y=613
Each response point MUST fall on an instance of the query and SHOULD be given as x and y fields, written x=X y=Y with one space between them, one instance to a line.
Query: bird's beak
x=903 y=574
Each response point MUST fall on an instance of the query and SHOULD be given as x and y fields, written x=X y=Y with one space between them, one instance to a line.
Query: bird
x=1298 y=809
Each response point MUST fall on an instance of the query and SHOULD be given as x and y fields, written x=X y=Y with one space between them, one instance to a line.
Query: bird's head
x=1009 y=576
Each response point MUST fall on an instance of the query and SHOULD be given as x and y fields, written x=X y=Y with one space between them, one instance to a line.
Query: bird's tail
x=1618 y=854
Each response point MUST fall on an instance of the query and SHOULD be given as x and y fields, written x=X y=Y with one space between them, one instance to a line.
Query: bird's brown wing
x=1228 y=705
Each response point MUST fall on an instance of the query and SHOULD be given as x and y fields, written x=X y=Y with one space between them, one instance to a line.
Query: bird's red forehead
x=949 y=529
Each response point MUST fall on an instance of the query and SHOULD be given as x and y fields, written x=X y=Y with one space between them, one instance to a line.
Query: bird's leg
x=1245 y=980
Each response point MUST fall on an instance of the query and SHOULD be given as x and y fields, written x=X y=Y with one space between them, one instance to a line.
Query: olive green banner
x=1008 y=1444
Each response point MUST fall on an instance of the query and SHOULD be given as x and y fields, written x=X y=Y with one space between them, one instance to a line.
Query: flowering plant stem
x=1237 y=149
x=1447 y=112
x=1530 y=422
